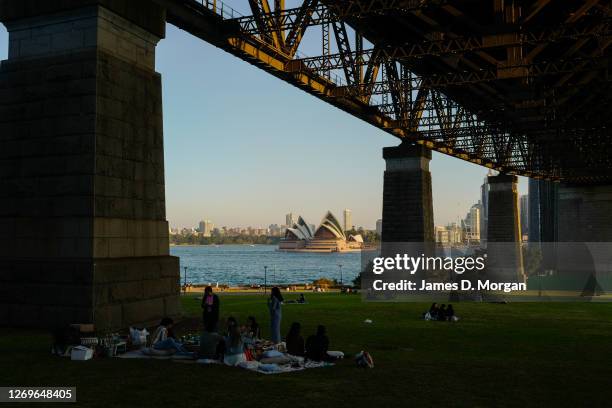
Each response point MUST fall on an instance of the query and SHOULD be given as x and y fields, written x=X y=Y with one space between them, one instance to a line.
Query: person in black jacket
x=442 y=313
x=450 y=313
x=317 y=345
x=210 y=310
x=295 y=341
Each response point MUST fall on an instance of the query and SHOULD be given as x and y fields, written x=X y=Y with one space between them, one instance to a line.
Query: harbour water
x=244 y=265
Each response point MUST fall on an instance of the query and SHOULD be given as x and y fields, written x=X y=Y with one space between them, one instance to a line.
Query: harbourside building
x=328 y=237
x=206 y=227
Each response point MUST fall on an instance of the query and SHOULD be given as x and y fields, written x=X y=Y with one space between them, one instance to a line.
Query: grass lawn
x=522 y=354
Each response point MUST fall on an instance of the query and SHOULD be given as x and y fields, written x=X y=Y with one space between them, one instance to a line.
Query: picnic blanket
x=145 y=353
x=292 y=364
x=295 y=364
x=264 y=368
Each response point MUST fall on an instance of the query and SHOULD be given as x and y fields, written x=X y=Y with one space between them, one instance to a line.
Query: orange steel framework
x=522 y=87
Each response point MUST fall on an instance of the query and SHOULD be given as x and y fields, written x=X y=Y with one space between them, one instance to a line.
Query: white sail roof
x=330 y=223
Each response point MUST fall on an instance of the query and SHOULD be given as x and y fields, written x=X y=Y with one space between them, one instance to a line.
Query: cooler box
x=81 y=353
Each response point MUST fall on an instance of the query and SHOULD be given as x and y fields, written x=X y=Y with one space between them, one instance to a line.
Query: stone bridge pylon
x=83 y=230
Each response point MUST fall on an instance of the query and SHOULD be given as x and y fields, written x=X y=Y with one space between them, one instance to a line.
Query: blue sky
x=244 y=148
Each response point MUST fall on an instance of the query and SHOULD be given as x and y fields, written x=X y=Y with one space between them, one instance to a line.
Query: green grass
x=521 y=354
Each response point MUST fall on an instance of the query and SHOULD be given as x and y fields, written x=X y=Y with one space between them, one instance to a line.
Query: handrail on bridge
x=220 y=8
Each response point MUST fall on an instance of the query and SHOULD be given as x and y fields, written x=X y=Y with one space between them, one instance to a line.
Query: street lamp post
x=265 y=279
x=185 y=280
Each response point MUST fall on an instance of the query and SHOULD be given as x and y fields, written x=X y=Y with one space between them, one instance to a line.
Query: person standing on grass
x=210 y=310
x=274 y=306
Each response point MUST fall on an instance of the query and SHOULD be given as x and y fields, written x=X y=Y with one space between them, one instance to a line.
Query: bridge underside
x=519 y=86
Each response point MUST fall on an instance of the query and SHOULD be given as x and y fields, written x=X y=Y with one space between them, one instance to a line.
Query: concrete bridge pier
x=407 y=199
x=584 y=213
x=584 y=225
x=83 y=231
x=407 y=226
x=504 y=252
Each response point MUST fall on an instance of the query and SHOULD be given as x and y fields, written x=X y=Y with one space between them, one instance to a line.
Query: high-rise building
x=206 y=227
x=451 y=234
x=455 y=235
x=289 y=220
x=441 y=235
x=533 y=225
x=348 y=220
x=524 y=214
x=472 y=224
x=484 y=202
x=274 y=230
x=379 y=227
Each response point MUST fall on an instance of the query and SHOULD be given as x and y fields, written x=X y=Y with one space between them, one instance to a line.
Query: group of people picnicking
x=237 y=344
x=441 y=313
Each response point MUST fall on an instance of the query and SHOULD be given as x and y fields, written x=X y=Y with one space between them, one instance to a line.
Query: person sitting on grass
x=301 y=298
x=252 y=330
x=234 y=347
x=442 y=312
x=295 y=341
x=317 y=345
x=209 y=344
x=229 y=323
x=450 y=314
x=432 y=314
x=162 y=341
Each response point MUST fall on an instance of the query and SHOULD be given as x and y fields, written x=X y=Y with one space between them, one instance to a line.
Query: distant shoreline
x=182 y=245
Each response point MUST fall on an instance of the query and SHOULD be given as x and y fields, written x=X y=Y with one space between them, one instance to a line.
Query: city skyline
x=290 y=219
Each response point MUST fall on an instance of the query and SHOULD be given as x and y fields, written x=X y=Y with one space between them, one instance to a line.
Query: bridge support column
x=407 y=199
x=584 y=213
x=83 y=231
x=505 y=259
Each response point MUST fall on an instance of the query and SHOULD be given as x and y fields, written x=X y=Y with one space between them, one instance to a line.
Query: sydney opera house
x=328 y=237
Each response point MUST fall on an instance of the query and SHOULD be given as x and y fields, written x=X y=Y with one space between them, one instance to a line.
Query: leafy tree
x=325 y=282
x=532 y=260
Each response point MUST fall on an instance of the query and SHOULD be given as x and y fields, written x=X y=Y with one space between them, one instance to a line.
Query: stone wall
x=504 y=251
x=585 y=213
x=503 y=225
x=83 y=234
x=407 y=196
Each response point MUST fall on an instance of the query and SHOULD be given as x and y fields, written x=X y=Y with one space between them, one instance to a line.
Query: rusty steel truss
x=519 y=86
